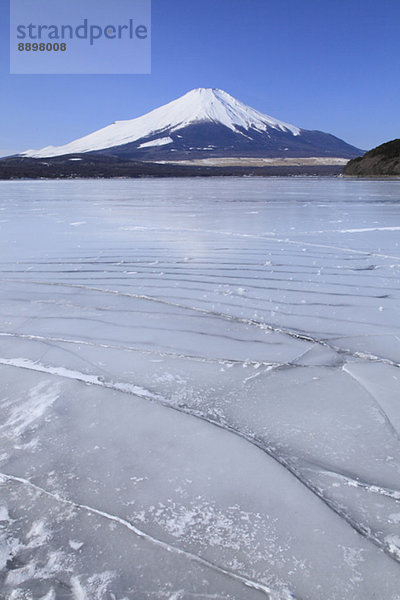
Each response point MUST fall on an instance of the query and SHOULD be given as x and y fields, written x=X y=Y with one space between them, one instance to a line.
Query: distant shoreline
x=82 y=166
x=259 y=162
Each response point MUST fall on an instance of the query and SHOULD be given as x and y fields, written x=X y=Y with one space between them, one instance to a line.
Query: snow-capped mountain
x=203 y=123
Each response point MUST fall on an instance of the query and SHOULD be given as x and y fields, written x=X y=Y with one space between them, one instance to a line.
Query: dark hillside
x=384 y=160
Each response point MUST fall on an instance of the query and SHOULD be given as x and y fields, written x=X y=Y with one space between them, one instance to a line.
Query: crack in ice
x=380 y=408
x=266 y=238
x=203 y=359
x=271 y=594
x=252 y=439
x=233 y=318
x=357 y=482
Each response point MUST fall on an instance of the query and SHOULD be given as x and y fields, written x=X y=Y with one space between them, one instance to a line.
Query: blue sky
x=332 y=65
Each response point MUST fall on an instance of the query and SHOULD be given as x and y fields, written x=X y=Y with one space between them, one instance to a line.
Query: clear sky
x=332 y=65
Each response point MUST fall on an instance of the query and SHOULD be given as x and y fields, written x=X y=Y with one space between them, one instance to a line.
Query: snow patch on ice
x=38 y=534
x=26 y=413
x=51 y=595
x=95 y=588
x=78 y=591
x=4 y=513
x=394 y=518
x=75 y=545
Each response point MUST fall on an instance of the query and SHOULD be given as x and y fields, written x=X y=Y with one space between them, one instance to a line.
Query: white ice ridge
x=198 y=105
x=24 y=363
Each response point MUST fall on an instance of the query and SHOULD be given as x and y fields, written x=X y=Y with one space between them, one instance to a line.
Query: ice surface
x=200 y=389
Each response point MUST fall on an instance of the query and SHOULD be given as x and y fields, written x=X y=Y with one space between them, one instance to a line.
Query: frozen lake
x=200 y=391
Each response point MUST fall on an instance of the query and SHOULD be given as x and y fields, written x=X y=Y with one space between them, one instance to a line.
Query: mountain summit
x=203 y=123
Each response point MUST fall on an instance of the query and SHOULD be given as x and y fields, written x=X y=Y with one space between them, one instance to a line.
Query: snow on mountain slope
x=197 y=106
x=158 y=142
